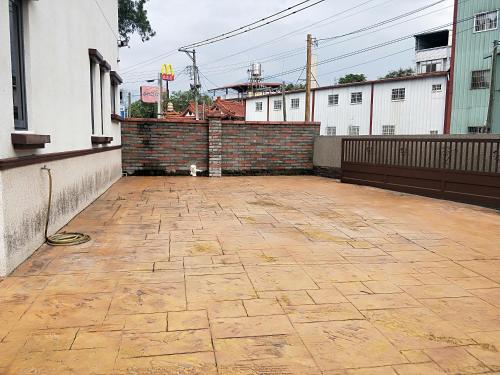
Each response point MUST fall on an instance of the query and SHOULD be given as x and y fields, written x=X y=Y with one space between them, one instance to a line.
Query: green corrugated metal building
x=477 y=27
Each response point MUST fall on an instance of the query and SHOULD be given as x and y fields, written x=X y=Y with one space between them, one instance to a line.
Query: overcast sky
x=279 y=46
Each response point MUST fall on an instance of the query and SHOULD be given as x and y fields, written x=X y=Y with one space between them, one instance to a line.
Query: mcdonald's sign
x=167 y=72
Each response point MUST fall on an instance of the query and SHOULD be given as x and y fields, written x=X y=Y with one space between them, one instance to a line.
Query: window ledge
x=29 y=140
x=116 y=118
x=101 y=140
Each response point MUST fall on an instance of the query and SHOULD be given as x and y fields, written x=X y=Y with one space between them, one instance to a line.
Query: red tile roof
x=228 y=109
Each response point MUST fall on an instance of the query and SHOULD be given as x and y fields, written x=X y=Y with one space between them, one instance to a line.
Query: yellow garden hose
x=61 y=239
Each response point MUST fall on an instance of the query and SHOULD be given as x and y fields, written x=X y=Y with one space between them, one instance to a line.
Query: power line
x=220 y=38
x=163 y=55
x=250 y=24
x=107 y=21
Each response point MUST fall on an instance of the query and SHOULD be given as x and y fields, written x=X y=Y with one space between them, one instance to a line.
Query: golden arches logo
x=167 y=72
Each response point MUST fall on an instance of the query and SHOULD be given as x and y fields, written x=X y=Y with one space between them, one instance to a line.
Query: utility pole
x=308 y=78
x=129 y=103
x=196 y=80
x=283 y=102
x=160 y=88
x=491 y=103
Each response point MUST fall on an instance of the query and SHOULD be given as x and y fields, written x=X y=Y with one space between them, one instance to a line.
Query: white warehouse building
x=397 y=106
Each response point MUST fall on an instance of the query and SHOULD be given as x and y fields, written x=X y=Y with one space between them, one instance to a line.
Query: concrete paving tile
x=382 y=287
x=348 y=288
x=416 y=356
x=469 y=313
x=198 y=261
x=470 y=283
x=383 y=301
x=215 y=270
x=218 y=288
x=157 y=277
x=283 y=354
x=251 y=326
x=96 y=340
x=48 y=340
x=148 y=298
x=487 y=268
x=267 y=278
x=186 y=320
x=488 y=355
x=156 y=322
x=436 y=291
x=159 y=266
x=416 y=328
x=347 y=344
x=192 y=363
x=322 y=313
x=336 y=273
x=428 y=368
x=289 y=298
x=331 y=295
x=135 y=345
x=64 y=362
x=258 y=307
x=492 y=295
x=62 y=311
x=456 y=360
x=224 y=309
x=195 y=248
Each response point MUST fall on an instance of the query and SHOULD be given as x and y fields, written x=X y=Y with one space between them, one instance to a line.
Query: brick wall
x=169 y=147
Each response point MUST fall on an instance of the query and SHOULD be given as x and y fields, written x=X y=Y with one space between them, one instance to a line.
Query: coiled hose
x=61 y=239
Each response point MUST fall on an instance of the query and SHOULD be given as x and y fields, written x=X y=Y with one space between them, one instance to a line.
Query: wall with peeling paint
x=77 y=182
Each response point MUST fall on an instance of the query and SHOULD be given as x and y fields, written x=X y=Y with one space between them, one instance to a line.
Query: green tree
x=352 y=78
x=181 y=100
x=401 y=72
x=133 y=18
x=139 y=109
x=295 y=86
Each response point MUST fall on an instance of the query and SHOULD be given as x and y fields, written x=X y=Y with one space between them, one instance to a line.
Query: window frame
x=295 y=100
x=334 y=100
x=388 y=133
x=275 y=107
x=356 y=95
x=487 y=82
x=484 y=13
x=350 y=130
x=259 y=106
x=434 y=87
x=20 y=77
x=328 y=128
x=398 y=97
x=92 y=87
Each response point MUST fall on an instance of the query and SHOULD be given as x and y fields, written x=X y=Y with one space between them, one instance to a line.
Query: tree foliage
x=133 y=18
x=401 y=72
x=295 y=86
x=139 y=109
x=181 y=100
x=351 y=78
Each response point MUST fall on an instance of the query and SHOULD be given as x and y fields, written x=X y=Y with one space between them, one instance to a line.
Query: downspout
x=449 y=85
x=371 y=109
x=268 y=108
x=313 y=104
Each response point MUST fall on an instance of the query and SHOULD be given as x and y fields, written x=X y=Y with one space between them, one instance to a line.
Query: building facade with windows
x=59 y=94
x=399 y=106
x=473 y=93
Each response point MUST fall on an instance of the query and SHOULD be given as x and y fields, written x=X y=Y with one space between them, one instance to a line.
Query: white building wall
x=57 y=37
x=442 y=54
x=421 y=112
x=344 y=114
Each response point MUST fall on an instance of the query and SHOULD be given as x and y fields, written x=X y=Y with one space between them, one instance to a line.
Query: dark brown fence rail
x=466 y=170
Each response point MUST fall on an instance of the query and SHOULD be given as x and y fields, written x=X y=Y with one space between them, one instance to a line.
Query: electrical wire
x=107 y=21
x=221 y=37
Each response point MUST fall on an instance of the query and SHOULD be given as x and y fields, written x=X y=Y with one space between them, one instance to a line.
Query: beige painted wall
x=77 y=182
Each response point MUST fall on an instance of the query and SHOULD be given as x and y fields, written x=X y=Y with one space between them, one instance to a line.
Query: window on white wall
x=398 y=94
x=388 y=129
x=295 y=103
x=356 y=97
x=486 y=21
x=437 y=88
x=333 y=99
x=258 y=106
x=331 y=130
x=353 y=130
x=480 y=79
x=17 y=60
x=431 y=66
x=278 y=105
x=434 y=132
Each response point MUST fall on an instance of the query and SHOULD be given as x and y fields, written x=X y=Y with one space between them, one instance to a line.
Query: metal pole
x=195 y=70
x=283 y=102
x=491 y=103
x=129 y=103
x=308 y=78
x=160 y=86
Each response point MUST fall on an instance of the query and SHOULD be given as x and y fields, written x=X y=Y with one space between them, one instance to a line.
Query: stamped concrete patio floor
x=259 y=275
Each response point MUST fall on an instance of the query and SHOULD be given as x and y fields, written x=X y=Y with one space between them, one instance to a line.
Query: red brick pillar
x=214 y=146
